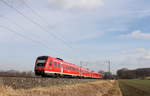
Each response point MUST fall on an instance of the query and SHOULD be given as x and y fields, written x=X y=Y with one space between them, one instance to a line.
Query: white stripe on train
x=66 y=74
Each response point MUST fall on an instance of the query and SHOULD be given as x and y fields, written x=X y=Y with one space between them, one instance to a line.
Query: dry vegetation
x=147 y=78
x=97 y=88
x=32 y=82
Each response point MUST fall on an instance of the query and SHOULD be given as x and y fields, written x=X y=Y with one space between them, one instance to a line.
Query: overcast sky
x=92 y=31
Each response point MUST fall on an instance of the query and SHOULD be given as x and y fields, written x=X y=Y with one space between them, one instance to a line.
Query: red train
x=49 y=66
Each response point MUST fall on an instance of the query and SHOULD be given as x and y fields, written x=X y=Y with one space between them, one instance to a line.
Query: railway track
x=27 y=82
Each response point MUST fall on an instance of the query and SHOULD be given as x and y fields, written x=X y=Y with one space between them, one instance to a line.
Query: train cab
x=40 y=65
x=46 y=65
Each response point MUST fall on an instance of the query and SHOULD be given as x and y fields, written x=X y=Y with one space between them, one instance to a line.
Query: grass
x=135 y=87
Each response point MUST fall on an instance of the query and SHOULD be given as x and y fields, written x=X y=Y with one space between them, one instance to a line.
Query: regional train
x=56 y=67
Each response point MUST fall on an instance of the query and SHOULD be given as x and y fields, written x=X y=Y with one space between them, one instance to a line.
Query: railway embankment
x=94 y=88
x=32 y=82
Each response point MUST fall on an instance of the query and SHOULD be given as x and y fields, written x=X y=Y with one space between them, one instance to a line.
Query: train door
x=62 y=69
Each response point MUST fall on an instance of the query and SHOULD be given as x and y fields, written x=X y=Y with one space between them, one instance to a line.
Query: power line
x=22 y=28
x=37 y=24
x=23 y=36
x=34 y=12
x=19 y=26
x=39 y=16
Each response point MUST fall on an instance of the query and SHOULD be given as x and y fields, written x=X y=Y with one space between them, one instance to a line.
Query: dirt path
x=98 y=88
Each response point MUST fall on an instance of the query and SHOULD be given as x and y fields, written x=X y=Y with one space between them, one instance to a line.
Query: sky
x=90 y=32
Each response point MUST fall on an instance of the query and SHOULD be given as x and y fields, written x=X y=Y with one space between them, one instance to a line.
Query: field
x=135 y=87
x=35 y=86
x=74 y=88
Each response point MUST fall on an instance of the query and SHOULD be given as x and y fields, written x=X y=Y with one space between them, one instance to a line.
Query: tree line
x=16 y=73
x=133 y=74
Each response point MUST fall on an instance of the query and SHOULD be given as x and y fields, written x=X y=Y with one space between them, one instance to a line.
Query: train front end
x=40 y=65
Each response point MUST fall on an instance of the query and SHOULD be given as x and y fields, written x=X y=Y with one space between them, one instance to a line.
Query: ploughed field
x=135 y=87
x=19 y=86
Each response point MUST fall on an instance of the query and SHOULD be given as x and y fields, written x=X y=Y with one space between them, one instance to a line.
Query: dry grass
x=147 y=78
x=98 y=88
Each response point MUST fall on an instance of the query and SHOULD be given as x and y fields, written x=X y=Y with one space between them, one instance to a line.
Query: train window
x=50 y=63
x=68 y=67
x=55 y=64
x=58 y=64
x=40 y=63
x=74 y=69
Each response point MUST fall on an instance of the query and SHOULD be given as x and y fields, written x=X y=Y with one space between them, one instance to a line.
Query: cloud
x=136 y=50
x=133 y=58
x=139 y=53
x=146 y=57
x=84 y=4
x=143 y=13
x=137 y=34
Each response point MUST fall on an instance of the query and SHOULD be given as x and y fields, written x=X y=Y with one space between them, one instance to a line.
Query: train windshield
x=41 y=61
